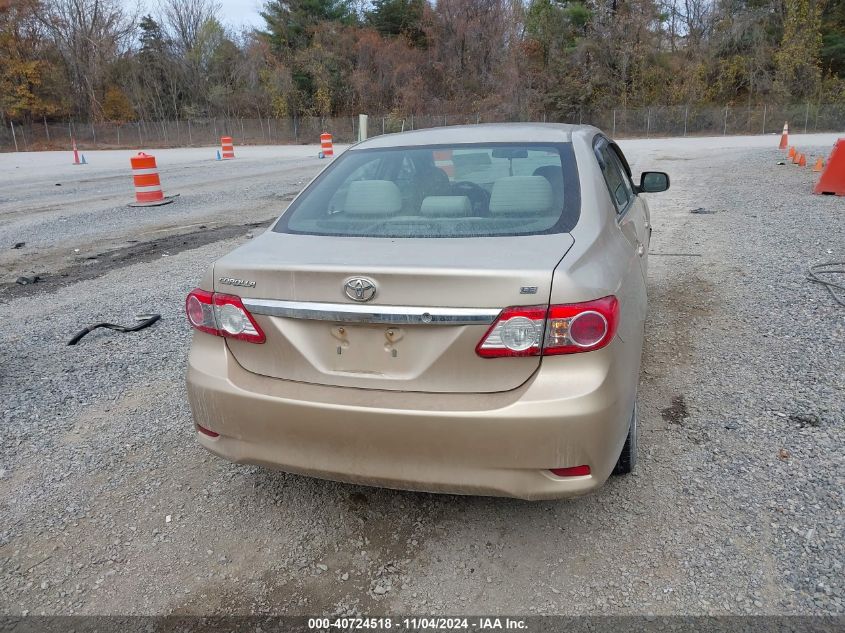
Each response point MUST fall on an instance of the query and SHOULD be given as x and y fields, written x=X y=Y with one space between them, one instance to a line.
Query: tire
x=628 y=457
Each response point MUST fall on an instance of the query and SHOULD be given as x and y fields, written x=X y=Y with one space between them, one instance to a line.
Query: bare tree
x=186 y=19
x=88 y=34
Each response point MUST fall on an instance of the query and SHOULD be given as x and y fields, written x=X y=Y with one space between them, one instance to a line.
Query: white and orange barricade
x=227 y=147
x=443 y=160
x=784 y=136
x=326 y=147
x=148 y=192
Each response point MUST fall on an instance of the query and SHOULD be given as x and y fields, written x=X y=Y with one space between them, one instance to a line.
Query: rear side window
x=465 y=190
x=618 y=183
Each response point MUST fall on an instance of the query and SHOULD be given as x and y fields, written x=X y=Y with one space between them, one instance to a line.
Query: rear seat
x=372 y=198
x=522 y=196
x=446 y=207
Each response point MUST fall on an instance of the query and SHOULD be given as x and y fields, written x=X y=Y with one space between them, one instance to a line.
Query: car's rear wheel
x=628 y=457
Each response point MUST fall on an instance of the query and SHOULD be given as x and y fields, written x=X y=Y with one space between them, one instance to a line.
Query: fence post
x=382 y=125
x=46 y=129
x=806 y=117
x=765 y=108
x=93 y=133
x=686 y=116
x=647 y=122
x=140 y=140
x=412 y=122
x=190 y=140
x=580 y=114
x=118 y=134
x=725 y=129
x=14 y=138
x=614 y=123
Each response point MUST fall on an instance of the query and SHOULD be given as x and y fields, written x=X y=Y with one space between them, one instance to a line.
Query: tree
x=290 y=23
x=398 y=18
x=29 y=87
x=89 y=35
x=116 y=106
x=797 y=59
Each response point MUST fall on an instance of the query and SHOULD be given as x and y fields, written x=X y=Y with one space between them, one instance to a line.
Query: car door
x=631 y=211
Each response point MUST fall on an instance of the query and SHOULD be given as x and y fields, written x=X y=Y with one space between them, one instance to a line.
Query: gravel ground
x=108 y=506
x=66 y=213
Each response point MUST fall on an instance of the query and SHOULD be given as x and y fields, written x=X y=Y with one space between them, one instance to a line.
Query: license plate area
x=369 y=349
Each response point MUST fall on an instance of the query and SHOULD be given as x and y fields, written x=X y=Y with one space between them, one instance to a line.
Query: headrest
x=523 y=195
x=550 y=172
x=372 y=197
x=446 y=206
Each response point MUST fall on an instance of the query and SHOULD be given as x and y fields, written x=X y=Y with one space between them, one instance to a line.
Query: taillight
x=222 y=315
x=517 y=332
x=557 y=329
x=581 y=327
x=572 y=471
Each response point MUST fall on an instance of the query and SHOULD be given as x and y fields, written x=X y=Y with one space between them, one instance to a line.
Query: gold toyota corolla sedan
x=452 y=310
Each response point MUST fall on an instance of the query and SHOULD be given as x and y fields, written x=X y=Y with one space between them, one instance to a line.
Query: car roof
x=479 y=133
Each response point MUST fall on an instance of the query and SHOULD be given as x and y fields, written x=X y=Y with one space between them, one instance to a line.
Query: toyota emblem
x=359 y=288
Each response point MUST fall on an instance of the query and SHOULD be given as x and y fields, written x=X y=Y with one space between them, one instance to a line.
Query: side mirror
x=653 y=182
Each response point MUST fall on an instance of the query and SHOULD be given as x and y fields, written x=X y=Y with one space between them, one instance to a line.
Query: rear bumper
x=575 y=410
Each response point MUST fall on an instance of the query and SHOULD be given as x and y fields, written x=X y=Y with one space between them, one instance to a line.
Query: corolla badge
x=231 y=281
x=359 y=288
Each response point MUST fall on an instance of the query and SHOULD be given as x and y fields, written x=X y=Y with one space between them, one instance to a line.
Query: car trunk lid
x=434 y=299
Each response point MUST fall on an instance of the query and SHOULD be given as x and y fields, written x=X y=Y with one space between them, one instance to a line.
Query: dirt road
x=108 y=506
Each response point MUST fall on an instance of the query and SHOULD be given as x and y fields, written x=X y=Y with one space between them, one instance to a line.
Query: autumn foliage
x=96 y=60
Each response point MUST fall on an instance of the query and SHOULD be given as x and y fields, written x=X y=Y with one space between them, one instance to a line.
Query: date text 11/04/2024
x=417 y=624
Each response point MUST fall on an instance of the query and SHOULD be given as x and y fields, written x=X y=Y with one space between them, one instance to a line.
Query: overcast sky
x=235 y=13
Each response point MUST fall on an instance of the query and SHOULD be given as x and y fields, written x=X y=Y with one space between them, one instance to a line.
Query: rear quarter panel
x=602 y=262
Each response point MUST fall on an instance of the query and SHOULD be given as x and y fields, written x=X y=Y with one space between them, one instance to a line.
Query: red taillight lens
x=581 y=327
x=222 y=315
x=572 y=471
x=558 y=329
x=207 y=432
x=200 y=310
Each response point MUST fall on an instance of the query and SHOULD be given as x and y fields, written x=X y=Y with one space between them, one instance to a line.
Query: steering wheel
x=478 y=196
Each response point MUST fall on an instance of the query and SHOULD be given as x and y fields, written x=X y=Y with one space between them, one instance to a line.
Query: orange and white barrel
x=326 y=145
x=145 y=175
x=227 y=147
x=443 y=160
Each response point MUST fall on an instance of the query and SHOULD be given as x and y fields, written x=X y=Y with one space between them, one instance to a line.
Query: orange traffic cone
x=819 y=164
x=791 y=153
x=802 y=160
x=832 y=180
x=784 y=137
x=796 y=157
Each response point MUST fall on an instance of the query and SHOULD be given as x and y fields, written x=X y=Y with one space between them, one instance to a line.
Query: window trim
x=626 y=173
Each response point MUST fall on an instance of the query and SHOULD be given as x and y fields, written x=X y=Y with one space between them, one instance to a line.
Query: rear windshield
x=441 y=191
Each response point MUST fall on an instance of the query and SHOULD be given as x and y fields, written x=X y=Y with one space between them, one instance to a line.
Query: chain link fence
x=654 y=121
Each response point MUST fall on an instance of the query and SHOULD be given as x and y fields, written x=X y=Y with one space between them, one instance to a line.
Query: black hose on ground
x=816 y=271
x=148 y=320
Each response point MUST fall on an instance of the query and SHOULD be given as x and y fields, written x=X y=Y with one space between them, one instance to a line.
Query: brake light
x=572 y=471
x=553 y=330
x=222 y=315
